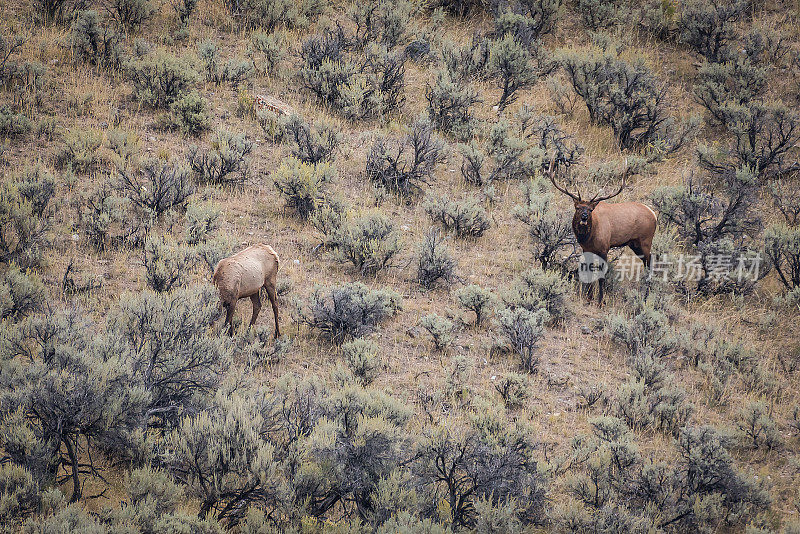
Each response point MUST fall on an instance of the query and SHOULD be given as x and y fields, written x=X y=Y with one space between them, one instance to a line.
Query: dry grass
x=570 y=358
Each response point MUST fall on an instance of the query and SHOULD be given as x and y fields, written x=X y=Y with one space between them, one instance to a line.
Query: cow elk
x=243 y=275
x=600 y=226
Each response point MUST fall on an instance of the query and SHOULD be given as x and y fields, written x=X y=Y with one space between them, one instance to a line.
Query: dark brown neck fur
x=582 y=232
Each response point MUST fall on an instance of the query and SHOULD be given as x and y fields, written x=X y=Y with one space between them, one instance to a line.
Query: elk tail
x=277 y=258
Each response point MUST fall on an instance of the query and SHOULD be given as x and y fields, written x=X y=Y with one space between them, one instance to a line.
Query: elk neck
x=582 y=228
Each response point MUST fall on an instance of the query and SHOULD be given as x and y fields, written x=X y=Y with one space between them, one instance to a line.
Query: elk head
x=582 y=220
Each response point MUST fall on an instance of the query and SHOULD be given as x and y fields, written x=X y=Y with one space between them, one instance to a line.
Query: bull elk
x=600 y=226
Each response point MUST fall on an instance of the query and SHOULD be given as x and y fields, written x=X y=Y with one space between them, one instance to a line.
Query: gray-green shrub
x=202 y=220
x=368 y=242
x=489 y=457
x=644 y=330
x=79 y=152
x=546 y=132
x=465 y=219
x=20 y=494
x=466 y=63
x=627 y=97
x=472 y=163
x=328 y=219
x=404 y=165
x=763 y=134
x=312 y=143
x=550 y=229
x=755 y=427
x=50 y=11
x=267 y=51
x=357 y=85
x=21 y=293
x=514 y=157
x=522 y=329
x=326 y=68
x=159 y=78
x=699 y=214
x=512 y=67
x=303 y=185
x=513 y=389
x=660 y=406
x=153 y=502
x=210 y=251
x=440 y=329
x=234 y=71
x=536 y=289
x=363 y=359
x=77 y=393
x=708 y=27
x=130 y=14
x=721 y=87
x=269 y=15
x=189 y=114
x=225 y=162
x=434 y=261
x=381 y=22
x=37 y=186
x=223 y=443
x=271 y=124
x=102 y=215
x=714 y=219
x=349 y=310
x=528 y=28
x=94 y=42
x=183 y=10
x=449 y=104
x=476 y=299
x=542 y=15
x=782 y=247
x=23 y=229
x=786 y=199
x=126 y=146
x=157 y=186
x=166 y=264
x=601 y=14
x=13 y=125
x=171 y=349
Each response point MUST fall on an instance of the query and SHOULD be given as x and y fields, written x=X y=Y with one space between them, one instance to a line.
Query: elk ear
x=576 y=202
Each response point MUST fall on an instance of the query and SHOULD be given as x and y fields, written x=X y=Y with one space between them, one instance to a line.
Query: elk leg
x=256 y=300
x=639 y=250
x=230 y=307
x=601 y=282
x=273 y=299
x=646 y=256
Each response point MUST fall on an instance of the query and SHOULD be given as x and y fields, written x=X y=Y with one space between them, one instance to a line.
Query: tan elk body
x=622 y=224
x=600 y=226
x=243 y=275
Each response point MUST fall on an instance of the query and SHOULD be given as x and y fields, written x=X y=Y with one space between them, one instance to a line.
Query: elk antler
x=551 y=175
x=597 y=198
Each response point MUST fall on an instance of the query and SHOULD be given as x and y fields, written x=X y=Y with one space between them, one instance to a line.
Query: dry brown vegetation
x=73 y=100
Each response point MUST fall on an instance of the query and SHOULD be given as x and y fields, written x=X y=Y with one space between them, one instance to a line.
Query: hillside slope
x=385 y=407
